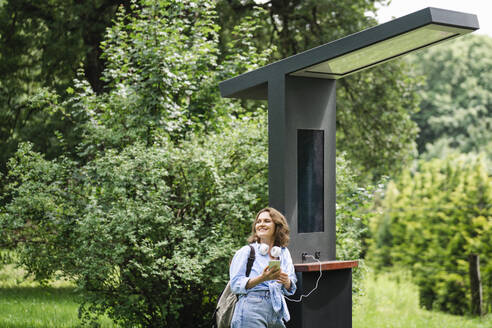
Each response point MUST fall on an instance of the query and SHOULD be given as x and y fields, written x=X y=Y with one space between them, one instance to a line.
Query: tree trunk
x=475 y=284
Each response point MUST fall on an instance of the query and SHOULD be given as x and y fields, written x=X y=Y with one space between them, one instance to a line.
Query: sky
x=481 y=8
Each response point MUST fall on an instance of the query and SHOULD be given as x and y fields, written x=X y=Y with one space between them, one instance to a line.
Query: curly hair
x=282 y=229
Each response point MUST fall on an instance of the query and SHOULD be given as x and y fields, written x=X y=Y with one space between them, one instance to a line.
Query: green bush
x=162 y=223
x=432 y=219
x=150 y=240
x=41 y=211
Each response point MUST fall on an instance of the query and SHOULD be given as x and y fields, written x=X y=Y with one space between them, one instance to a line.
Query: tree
x=374 y=107
x=42 y=44
x=70 y=32
x=456 y=108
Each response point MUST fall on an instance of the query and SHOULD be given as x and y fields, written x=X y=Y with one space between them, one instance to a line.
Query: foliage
x=432 y=219
x=374 y=123
x=162 y=223
x=294 y=26
x=146 y=210
x=374 y=107
x=56 y=36
x=156 y=223
x=60 y=34
x=162 y=76
x=456 y=107
x=155 y=227
x=353 y=214
x=41 y=46
x=41 y=211
x=162 y=71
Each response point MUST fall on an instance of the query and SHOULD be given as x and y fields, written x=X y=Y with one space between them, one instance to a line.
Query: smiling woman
x=261 y=302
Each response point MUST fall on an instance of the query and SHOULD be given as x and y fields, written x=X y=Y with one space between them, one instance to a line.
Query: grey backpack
x=227 y=301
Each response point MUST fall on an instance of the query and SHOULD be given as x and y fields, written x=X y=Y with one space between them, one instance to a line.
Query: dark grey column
x=300 y=107
x=276 y=142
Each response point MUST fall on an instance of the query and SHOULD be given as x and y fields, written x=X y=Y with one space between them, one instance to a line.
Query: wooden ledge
x=325 y=266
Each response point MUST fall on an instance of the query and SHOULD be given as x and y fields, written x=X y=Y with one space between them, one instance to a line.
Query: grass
x=24 y=303
x=391 y=301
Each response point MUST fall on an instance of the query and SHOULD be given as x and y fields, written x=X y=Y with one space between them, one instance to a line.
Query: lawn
x=26 y=304
x=390 y=301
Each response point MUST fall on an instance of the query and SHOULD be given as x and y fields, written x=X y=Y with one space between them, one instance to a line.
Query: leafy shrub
x=162 y=223
x=42 y=208
x=432 y=218
x=154 y=229
x=353 y=213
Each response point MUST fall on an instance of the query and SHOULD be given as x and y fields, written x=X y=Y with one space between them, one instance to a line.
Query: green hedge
x=432 y=218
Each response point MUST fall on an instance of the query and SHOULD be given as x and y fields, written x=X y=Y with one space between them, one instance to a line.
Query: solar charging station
x=301 y=94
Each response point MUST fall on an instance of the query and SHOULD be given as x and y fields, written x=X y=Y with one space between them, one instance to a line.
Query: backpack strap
x=251 y=259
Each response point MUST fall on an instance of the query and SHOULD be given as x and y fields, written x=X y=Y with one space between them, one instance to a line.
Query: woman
x=261 y=302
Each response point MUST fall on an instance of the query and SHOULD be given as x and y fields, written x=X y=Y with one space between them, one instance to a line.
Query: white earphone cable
x=315 y=287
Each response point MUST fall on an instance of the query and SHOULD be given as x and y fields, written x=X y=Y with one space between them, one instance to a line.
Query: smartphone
x=274 y=264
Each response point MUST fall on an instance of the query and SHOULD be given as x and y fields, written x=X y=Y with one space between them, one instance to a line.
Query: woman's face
x=265 y=227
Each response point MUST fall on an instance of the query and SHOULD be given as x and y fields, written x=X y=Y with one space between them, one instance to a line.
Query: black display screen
x=310 y=180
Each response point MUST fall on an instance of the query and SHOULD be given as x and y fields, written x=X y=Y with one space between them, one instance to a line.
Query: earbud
x=275 y=251
x=263 y=249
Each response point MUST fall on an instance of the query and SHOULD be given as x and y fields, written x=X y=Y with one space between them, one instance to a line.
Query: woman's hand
x=267 y=274
x=271 y=273
x=284 y=280
x=274 y=273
